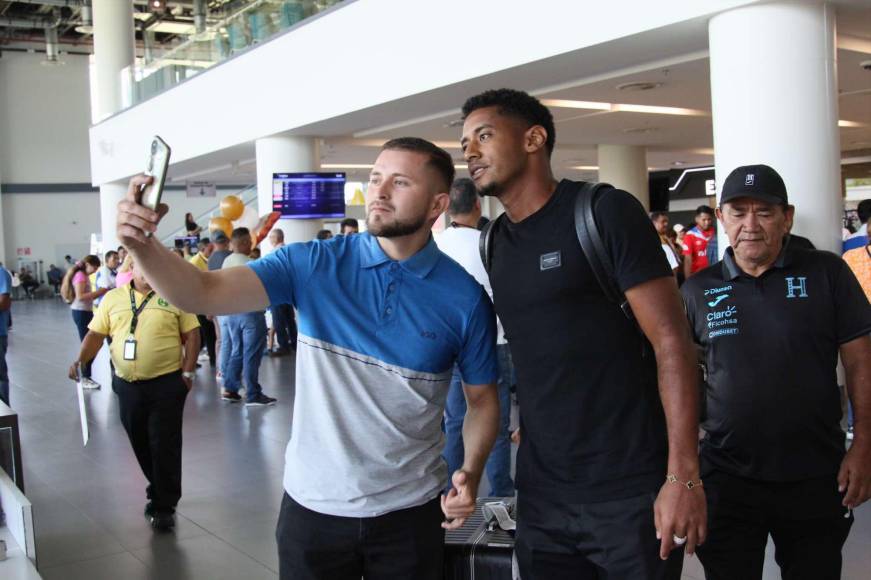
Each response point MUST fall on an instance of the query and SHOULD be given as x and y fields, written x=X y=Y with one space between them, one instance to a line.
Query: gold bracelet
x=672 y=478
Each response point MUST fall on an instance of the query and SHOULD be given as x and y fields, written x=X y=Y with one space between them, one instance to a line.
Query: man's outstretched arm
x=180 y=282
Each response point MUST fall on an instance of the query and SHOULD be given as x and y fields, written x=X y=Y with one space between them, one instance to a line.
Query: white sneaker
x=90 y=384
x=850 y=434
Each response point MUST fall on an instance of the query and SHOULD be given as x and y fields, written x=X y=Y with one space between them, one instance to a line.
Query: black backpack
x=589 y=238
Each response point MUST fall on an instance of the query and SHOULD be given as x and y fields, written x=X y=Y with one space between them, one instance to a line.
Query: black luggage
x=473 y=552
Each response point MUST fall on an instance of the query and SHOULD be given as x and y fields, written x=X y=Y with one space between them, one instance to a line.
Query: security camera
x=866 y=64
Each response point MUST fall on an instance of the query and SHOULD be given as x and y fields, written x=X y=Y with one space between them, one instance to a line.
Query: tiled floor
x=88 y=501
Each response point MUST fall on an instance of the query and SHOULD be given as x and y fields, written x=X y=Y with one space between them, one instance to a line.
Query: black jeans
x=83 y=318
x=208 y=336
x=4 y=371
x=561 y=540
x=151 y=412
x=402 y=545
x=805 y=519
x=284 y=323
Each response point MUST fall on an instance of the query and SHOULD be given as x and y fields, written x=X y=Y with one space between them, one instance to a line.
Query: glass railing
x=248 y=26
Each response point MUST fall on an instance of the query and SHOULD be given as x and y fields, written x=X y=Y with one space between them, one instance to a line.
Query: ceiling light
x=678 y=163
x=585 y=167
x=366 y=166
x=624 y=107
x=843 y=123
x=454 y=123
x=639 y=86
x=659 y=110
x=568 y=104
x=640 y=130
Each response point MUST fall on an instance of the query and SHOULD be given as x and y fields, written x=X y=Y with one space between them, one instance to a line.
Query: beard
x=396 y=228
x=491 y=189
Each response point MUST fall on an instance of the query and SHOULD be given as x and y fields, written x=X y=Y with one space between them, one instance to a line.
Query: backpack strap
x=594 y=247
x=485 y=244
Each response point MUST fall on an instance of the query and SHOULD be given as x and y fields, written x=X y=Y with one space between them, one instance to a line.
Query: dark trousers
x=208 y=336
x=4 y=371
x=151 y=412
x=83 y=318
x=284 y=323
x=805 y=519
x=612 y=539
x=402 y=545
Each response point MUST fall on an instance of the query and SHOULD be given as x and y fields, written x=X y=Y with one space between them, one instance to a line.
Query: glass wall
x=254 y=23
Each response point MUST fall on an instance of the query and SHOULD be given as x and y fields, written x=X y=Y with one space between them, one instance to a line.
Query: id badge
x=130 y=349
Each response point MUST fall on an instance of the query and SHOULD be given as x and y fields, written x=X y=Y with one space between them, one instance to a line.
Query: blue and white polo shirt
x=377 y=341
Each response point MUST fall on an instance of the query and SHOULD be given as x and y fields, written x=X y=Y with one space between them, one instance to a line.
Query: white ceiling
x=670 y=139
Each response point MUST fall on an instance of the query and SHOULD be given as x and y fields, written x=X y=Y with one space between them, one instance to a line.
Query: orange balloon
x=232 y=207
x=221 y=223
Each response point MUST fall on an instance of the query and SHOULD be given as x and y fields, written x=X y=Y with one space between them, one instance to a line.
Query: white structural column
x=775 y=101
x=286 y=154
x=625 y=167
x=113 y=54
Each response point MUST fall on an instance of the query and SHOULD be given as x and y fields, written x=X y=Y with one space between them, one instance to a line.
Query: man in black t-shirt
x=594 y=450
x=772 y=318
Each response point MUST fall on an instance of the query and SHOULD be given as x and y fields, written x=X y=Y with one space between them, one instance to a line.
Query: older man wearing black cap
x=772 y=319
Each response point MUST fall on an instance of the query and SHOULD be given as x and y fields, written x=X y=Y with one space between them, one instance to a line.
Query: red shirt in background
x=695 y=244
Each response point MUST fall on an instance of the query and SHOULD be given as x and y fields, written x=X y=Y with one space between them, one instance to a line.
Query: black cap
x=756 y=181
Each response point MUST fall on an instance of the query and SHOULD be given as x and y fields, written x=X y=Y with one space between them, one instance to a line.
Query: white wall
x=56 y=224
x=44 y=119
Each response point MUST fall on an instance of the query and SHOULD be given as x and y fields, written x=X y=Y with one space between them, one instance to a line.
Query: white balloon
x=249 y=219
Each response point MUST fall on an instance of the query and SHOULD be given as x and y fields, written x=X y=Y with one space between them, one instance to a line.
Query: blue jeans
x=83 y=318
x=498 y=466
x=4 y=371
x=284 y=323
x=248 y=332
x=226 y=343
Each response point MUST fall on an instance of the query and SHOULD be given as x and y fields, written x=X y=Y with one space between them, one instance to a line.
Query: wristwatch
x=189 y=375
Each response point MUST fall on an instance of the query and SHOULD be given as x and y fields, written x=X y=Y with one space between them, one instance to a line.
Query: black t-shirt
x=771 y=345
x=592 y=423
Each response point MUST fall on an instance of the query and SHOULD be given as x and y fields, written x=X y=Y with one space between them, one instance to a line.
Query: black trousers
x=605 y=540
x=151 y=412
x=208 y=336
x=805 y=519
x=402 y=545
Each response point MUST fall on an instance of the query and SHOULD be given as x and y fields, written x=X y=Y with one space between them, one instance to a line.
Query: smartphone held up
x=158 y=163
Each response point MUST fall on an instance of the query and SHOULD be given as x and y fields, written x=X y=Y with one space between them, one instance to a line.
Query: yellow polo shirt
x=200 y=261
x=158 y=333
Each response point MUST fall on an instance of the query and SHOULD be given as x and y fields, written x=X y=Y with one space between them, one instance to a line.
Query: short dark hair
x=655 y=215
x=349 y=222
x=463 y=196
x=203 y=242
x=324 y=235
x=517 y=104
x=239 y=233
x=278 y=232
x=439 y=159
x=864 y=210
x=704 y=209
x=109 y=254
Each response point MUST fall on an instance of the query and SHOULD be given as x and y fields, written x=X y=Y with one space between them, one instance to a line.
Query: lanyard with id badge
x=130 y=343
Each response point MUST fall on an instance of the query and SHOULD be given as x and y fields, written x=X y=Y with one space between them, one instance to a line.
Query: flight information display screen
x=309 y=195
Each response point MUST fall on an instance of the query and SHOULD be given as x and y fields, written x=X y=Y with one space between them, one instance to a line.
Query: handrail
x=242 y=194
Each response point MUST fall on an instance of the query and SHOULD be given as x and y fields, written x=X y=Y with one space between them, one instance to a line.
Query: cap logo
x=749 y=179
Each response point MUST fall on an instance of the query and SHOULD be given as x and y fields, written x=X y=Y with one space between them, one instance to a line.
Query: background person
x=696 y=239
x=107 y=273
x=76 y=288
x=223 y=346
x=324 y=235
x=247 y=331
x=283 y=316
x=672 y=254
x=190 y=226
x=460 y=242
x=207 y=326
x=153 y=374
x=772 y=320
x=349 y=226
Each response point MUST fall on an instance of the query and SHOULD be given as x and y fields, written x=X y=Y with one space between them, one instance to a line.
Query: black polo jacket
x=771 y=344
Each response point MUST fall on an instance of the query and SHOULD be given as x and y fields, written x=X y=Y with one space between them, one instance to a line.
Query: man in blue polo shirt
x=383 y=317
